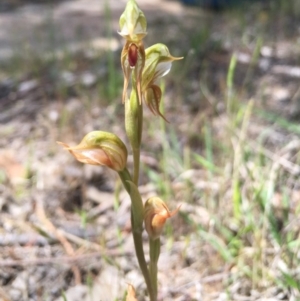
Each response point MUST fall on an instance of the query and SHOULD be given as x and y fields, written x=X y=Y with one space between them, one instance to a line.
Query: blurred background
x=229 y=154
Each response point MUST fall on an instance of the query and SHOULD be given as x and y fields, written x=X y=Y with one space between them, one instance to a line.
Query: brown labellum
x=132 y=55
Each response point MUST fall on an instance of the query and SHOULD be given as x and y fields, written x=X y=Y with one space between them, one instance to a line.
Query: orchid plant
x=142 y=69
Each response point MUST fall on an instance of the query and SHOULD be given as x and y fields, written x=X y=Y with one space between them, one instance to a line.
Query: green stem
x=137 y=237
x=125 y=178
x=139 y=250
x=136 y=165
x=137 y=152
x=154 y=255
x=134 y=128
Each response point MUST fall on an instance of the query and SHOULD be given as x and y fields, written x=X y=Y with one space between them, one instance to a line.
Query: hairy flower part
x=133 y=23
x=132 y=60
x=158 y=63
x=100 y=148
x=156 y=213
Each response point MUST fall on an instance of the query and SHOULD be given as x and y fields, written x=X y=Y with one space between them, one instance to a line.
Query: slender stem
x=137 y=150
x=154 y=255
x=136 y=165
x=139 y=250
x=134 y=129
x=138 y=240
x=125 y=178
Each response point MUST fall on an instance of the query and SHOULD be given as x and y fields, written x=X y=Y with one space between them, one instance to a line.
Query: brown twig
x=40 y=212
x=61 y=259
x=46 y=260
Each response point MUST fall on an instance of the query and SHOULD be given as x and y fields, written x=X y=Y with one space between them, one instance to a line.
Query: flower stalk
x=154 y=245
x=137 y=228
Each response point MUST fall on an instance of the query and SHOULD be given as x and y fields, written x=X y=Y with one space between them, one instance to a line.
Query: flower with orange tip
x=156 y=214
x=100 y=148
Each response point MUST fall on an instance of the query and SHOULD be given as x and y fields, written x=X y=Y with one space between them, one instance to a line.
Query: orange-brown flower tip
x=66 y=146
x=130 y=293
x=88 y=156
x=156 y=214
x=100 y=148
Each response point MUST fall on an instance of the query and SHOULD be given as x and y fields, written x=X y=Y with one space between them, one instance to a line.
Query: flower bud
x=100 y=148
x=133 y=23
x=156 y=213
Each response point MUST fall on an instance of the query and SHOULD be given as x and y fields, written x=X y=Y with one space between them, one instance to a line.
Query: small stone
x=76 y=293
x=28 y=86
x=53 y=115
x=68 y=78
x=88 y=79
x=15 y=294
